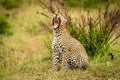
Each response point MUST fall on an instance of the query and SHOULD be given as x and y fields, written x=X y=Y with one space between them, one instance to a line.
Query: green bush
x=9 y=4
x=5 y=27
x=93 y=39
x=96 y=34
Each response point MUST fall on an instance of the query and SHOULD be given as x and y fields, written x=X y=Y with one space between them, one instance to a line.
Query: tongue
x=56 y=25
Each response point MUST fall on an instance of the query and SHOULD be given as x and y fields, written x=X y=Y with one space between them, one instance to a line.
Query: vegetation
x=27 y=54
x=9 y=4
x=95 y=34
x=5 y=27
x=89 y=3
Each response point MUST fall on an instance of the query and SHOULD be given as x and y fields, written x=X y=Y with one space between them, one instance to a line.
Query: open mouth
x=56 y=22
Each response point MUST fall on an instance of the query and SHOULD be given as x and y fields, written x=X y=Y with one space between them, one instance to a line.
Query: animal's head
x=58 y=21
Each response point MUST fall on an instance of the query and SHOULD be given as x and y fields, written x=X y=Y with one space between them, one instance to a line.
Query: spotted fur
x=67 y=50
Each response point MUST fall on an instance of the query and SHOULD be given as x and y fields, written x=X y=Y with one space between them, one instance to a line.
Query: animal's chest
x=58 y=44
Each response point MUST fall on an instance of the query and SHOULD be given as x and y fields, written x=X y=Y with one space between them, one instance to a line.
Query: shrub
x=96 y=34
x=93 y=39
x=9 y=4
x=5 y=27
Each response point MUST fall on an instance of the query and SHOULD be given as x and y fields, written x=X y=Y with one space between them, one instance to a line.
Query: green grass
x=33 y=29
x=40 y=67
x=24 y=56
x=89 y=4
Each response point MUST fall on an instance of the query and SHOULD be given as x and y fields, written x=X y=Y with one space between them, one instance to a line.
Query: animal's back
x=75 y=52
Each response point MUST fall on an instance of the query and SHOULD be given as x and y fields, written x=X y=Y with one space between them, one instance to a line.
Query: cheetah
x=67 y=51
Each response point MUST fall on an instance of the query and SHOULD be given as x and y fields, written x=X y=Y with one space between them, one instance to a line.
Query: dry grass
x=39 y=68
x=23 y=45
x=30 y=60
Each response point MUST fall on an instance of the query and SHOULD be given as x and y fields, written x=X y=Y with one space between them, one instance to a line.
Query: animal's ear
x=52 y=19
x=63 y=20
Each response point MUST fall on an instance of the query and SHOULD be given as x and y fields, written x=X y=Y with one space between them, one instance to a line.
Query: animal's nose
x=55 y=15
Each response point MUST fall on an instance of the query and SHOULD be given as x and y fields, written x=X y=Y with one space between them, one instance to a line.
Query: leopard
x=67 y=51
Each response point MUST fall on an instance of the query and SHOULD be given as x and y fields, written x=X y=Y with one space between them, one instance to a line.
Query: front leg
x=65 y=64
x=56 y=60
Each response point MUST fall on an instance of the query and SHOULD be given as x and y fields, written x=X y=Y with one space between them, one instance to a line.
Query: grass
x=40 y=66
x=89 y=4
x=22 y=44
x=27 y=58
